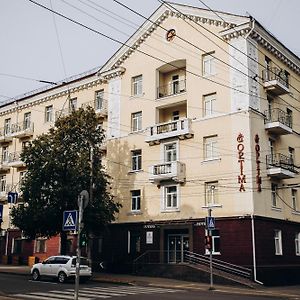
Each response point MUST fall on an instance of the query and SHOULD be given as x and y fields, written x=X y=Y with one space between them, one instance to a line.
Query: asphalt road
x=22 y=287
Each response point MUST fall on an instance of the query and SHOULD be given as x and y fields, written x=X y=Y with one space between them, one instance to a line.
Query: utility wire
x=28 y=78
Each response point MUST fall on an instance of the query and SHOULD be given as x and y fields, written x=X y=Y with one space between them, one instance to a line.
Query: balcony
x=14 y=160
x=280 y=166
x=179 y=128
x=22 y=130
x=174 y=170
x=278 y=122
x=5 y=135
x=275 y=81
x=100 y=106
x=172 y=88
x=4 y=164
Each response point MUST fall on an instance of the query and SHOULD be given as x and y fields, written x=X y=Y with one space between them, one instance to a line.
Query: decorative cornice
x=16 y=106
x=111 y=74
x=236 y=31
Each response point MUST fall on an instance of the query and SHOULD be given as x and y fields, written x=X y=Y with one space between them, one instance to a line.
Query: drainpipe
x=253 y=251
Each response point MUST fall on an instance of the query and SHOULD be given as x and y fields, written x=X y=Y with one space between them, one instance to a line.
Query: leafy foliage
x=58 y=169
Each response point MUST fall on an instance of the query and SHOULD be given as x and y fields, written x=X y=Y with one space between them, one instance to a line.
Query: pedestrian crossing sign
x=210 y=223
x=70 y=220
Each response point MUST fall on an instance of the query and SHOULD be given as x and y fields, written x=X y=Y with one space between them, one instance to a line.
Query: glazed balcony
x=22 y=129
x=99 y=106
x=275 y=81
x=280 y=166
x=278 y=122
x=172 y=88
x=179 y=128
x=14 y=160
x=174 y=170
x=5 y=135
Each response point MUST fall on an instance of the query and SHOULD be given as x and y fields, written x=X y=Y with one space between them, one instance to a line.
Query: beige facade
x=181 y=116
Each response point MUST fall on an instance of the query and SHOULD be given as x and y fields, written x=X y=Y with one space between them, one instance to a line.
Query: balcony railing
x=22 y=129
x=174 y=170
x=14 y=160
x=276 y=80
x=180 y=128
x=100 y=106
x=280 y=165
x=278 y=121
x=173 y=88
x=5 y=134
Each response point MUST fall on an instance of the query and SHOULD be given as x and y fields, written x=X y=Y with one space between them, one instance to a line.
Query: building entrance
x=177 y=244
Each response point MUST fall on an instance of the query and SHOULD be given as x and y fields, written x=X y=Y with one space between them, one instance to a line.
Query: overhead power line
x=28 y=78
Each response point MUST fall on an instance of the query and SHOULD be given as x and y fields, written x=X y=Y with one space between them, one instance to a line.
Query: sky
x=39 y=45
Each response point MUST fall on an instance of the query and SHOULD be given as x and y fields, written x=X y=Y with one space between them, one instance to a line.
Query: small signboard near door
x=149 y=237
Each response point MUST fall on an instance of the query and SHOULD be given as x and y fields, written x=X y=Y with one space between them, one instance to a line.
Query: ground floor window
x=297 y=243
x=40 y=245
x=215 y=242
x=278 y=242
x=17 y=246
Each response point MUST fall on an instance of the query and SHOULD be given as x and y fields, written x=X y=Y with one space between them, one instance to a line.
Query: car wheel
x=62 y=277
x=35 y=275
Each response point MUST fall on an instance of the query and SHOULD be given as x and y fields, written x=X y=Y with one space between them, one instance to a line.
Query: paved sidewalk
x=287 y=292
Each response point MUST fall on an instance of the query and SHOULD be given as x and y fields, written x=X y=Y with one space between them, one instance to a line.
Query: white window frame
x=49 y=114
x=137 y=85
x=2 y=183
x=37 y=246
x=274 y=188
x=211 y=193
x=278 y=241
x=173 y=152
x=27 y=120
x=208 y=64
x=99 y=100
x=209 y=103
x=213 y=249
x=136 y=201
x=210 y=148
x=136 y=121
x=7 y=126
x=295 y=200
x=136 y=160
x=167 y=193
x=5 y=154
x=297 y=243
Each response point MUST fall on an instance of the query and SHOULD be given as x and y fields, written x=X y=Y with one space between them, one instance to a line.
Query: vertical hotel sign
x=257 y=160
x=241 y=161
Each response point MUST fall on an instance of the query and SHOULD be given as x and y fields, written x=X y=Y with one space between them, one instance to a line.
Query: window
x=170 y=152
x=136 y=159
x=7 y=126
x=175 y=115
x=215 y=241
x=208 y=64
x=170 y=197
x=134 y=242
x=2 y=183
x=271 y=148
x=175 y=84
x=211 y=193
x=209 y=103
x=274 y=187
x=295 y=200
x=27 y=118
x=291 y=155
x=136 y=121
x=289 y=116
x=40 y=245
x=210 y=148
x=137 y=85
x=72 y=104
x=136 y=200
x=297 y=243
x=99 y=99
x=5 y=154
x=49 y=113
x=278 y=242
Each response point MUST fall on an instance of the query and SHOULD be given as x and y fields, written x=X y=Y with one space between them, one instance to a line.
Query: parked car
x=61 y=267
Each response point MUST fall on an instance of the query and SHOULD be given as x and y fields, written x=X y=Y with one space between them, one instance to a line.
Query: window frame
x=208 y=192
x=137 y=85
x=2 y=183
x=173 y=152
x=136 y=160
x=99 y=100
x=209 y=100
x=274 y=187
x=27 y=120
x=38 y=243
x=214 y=238
x=135 y=200
x=297 y=243
x=209 y=148
x=49 y=114
x=208 y=64
x=174 y=198
x=7 y=126
x=295 y=204
x=136 y=121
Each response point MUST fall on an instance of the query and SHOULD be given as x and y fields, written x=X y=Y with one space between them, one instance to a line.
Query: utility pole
x=210 y=229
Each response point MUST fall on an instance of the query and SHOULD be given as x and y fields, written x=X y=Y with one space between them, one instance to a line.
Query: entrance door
x=177 y=244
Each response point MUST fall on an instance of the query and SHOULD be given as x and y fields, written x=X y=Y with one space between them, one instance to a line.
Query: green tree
x=58 y=169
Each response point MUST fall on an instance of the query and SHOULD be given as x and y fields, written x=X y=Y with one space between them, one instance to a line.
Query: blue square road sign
x=70 y=220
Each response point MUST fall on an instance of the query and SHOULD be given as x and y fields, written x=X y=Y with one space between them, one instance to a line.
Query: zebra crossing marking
x=96 y=292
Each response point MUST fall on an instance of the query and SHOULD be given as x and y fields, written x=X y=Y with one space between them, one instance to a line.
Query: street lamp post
x=209 y=208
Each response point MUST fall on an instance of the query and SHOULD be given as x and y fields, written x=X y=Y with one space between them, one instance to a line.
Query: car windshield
x=83 y=261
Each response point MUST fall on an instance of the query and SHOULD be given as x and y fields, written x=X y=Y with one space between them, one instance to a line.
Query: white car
x=61 y=267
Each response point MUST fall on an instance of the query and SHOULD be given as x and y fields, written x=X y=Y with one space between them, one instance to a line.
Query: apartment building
x=201 y=113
